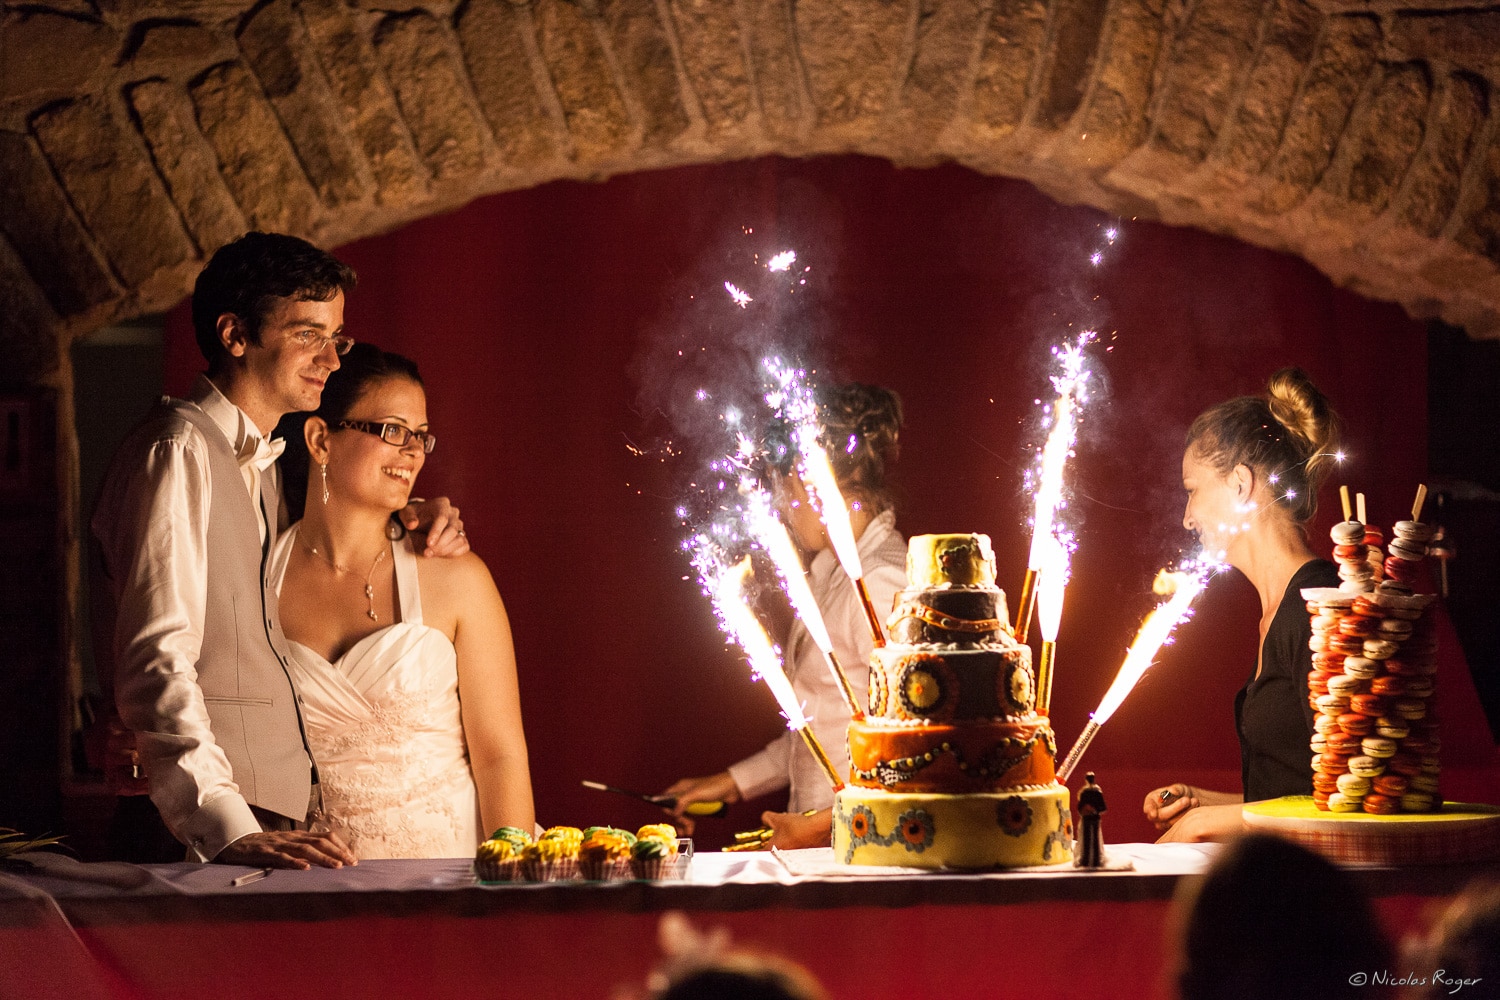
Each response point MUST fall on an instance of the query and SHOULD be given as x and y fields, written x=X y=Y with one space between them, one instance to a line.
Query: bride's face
x=364 y=467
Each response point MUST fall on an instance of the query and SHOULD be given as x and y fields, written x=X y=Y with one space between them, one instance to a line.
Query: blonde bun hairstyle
x=1290 y=434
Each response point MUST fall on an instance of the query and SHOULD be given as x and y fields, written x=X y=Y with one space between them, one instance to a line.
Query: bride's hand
x=439 y=519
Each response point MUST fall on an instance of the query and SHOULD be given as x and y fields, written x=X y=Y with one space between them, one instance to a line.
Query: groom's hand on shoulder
x=289 y=849
x=439 y=520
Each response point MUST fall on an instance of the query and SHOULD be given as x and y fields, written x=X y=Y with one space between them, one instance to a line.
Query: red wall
x=548 y=322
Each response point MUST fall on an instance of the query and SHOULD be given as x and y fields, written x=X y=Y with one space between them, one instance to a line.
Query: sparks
x=1072 y=393
x=782 y=261
x=740 y=298
x=1180 y=588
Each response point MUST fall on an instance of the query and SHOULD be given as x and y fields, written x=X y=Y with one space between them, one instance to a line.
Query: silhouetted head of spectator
x=1464 y=944
x=1273 y=919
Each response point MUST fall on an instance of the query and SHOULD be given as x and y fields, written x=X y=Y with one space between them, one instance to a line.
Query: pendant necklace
x=369 y=587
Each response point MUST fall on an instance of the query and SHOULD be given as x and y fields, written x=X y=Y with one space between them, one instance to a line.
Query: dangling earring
x=323 y=468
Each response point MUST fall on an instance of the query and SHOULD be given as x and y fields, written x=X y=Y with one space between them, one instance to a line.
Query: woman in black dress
x=1252 y=469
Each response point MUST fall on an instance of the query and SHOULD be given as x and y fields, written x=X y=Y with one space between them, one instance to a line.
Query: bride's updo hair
x=1290 y=433
x=861 y=429
x=363 y=367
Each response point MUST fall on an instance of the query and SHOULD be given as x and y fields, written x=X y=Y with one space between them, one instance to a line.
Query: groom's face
x=295 y=355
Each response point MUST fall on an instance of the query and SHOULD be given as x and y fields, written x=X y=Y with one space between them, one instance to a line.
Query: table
x=425 y=929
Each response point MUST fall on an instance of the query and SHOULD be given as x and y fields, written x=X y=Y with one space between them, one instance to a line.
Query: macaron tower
x=1375 y=741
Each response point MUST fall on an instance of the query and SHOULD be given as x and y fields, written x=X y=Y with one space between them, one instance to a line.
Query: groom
x=189 y=511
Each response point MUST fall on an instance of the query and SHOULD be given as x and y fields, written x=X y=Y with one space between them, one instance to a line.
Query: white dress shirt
x=152 y=522
x=786 y=761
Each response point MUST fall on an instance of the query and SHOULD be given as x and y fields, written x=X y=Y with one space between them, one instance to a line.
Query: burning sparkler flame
x=1181 y=589
x=1052 y=580
x=782 y=261
x=772 y=534
x=740 y=298
x=1072 y=387
x=725 y=586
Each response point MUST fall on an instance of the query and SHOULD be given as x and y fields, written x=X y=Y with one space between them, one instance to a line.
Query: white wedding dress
x=384 y=727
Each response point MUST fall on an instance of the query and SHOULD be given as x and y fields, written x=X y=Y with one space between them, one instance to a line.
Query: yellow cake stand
x=1460 y=831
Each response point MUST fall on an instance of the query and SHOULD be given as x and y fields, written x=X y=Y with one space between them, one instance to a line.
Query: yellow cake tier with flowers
x=1013 y=829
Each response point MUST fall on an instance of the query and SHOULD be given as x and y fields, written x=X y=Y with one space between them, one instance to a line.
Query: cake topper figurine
x=1091 y=808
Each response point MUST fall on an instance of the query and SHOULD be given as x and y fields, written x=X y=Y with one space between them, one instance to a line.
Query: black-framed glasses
x=392 y=433
x=316 y=341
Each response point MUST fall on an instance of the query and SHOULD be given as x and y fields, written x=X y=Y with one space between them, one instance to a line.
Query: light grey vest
x=243 y=667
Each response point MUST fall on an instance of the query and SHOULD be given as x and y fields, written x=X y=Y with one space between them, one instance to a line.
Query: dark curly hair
x=362 y=368
x=243 y=276
x=860 y=428
x=1290 y=433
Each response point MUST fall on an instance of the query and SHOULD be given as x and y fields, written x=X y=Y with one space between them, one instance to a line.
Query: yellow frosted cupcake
x=550 y=859
x=657 y=831
x=496 y=861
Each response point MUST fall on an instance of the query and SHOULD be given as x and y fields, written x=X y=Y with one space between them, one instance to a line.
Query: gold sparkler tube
x=821 y=757
x=1084 y=739
x=874 y=620
x=1023 y=609
x=1044 y=678
x=845 y=688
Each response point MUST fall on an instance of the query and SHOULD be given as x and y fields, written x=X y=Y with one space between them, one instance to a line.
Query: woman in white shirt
x=860 y=430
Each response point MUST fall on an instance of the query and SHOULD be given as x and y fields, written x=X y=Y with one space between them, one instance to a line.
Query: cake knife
x=713 y=807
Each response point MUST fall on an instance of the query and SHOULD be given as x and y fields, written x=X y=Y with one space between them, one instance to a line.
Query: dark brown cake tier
x=963 y=615
x=948 y=685
x=952 y=759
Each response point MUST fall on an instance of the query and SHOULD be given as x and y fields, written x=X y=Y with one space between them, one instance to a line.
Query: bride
x=404 y=665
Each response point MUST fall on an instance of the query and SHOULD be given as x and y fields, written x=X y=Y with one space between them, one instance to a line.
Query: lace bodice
x=385 y=729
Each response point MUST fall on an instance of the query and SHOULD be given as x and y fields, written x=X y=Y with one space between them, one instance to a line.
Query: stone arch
x=135 y=138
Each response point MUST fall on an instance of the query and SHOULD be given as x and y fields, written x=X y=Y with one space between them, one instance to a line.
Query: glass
x=393 y=433
x=316 y=342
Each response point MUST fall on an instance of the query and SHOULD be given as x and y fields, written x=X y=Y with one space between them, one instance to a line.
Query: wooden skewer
x=1416 y=508
x=1344 y=498
x=1359 y=506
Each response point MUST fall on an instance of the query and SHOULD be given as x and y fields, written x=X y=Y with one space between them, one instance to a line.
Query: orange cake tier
x=988 y=756
x=1457 y=832
x=949 y=684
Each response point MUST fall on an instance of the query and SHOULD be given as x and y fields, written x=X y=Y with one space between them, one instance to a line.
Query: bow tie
x=265 y=453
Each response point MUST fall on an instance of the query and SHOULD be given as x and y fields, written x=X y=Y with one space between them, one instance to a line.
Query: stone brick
x=174 y=43
x=713 y=58
x=576 y=61
x=47 y=54
x=1384 y=133
x=1076 y=31
x=431 y=89
x=780 y=84
x=1114 y=120
x=1286 y=49
x=1469 y=38
x=854 y=53
x=1008 y=54
x=495 y=38
x=947 y=42
x=27 y=353
x=1345 y=55
x=644 y=56
x=46 y=234
x=1479 y=229
x=115 y=189
x=187 y=164
x=256 y=161
x=1431 y=189
x=1207 y=66
x=369 y=106
x=276 y=46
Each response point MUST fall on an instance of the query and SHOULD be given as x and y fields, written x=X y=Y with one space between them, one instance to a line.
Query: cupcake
x=569 y=835
x=658 y=831
x=552 y=859
x=496 y=861
x=653 y=857
x=604 y=854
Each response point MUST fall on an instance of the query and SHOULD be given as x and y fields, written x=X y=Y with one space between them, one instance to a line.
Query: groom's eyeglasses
x=392 y=433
